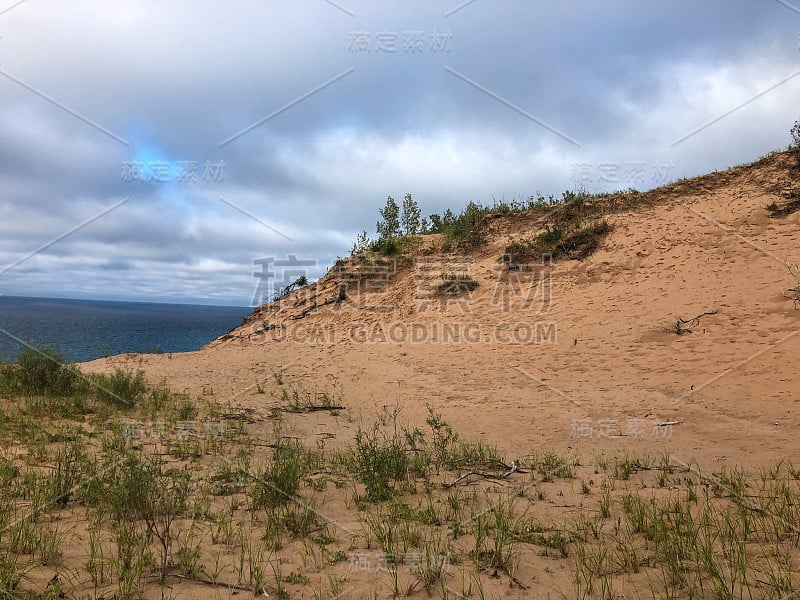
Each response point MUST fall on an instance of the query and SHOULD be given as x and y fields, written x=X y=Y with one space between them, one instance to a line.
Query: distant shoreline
x=116 y=301
x=85 y=330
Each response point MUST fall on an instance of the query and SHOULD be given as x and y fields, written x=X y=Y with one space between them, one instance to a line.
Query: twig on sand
x=486 y=475
x=221 y=584
x=308 y=408
x=679 y=327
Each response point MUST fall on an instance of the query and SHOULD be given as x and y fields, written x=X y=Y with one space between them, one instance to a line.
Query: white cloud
x=176 y=79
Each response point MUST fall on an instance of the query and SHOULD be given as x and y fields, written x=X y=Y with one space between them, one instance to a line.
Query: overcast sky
x=297 y=118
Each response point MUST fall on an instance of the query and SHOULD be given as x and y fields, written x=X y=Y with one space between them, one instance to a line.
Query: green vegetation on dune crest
x=398 y=224
x=574 y=240
x=564 y=234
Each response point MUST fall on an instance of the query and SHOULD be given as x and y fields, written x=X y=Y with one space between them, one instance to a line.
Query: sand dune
x=593 y=337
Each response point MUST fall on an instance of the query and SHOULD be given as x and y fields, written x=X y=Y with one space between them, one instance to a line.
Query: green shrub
x=71 y=466
x=300 y=521
x=785 y=209
x=43 y=372
x=455 y=227
x=379 y=462
x=298 y=283
x=584 y=240
x=278 y=483
x=123 y=389
x=139 y=489
x=572 y=239
x=385 y=246
x=8 y=380
x=552 y=235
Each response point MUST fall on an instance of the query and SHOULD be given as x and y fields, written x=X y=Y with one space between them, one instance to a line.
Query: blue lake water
x=87 y=329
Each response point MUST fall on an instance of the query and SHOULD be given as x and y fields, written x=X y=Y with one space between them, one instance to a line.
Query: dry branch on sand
x=513 y=468
x=682 y=326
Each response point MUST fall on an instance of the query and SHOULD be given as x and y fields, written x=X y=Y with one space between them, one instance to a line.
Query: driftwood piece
x=682 y=326
x=309 y=408
x=220 y=584
x=486 y=475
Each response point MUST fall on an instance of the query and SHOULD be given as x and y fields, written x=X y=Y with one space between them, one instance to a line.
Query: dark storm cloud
x=90 y=87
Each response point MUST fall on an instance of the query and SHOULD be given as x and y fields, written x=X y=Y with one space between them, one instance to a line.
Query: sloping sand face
x=579 y=355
